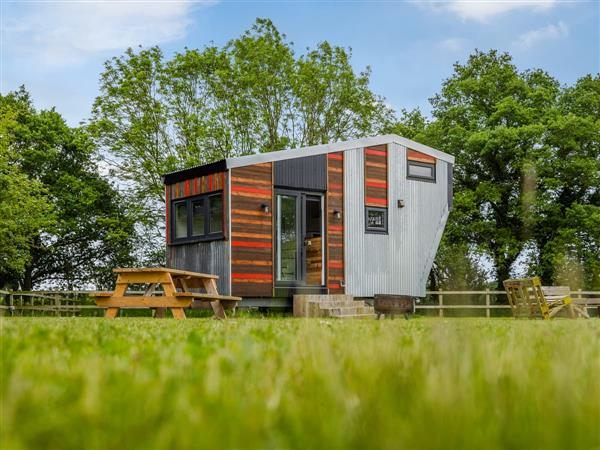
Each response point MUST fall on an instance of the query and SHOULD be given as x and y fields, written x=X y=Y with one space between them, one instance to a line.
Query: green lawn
x=137 y=383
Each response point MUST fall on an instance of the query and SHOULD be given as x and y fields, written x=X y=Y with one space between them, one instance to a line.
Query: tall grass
x=136 y=383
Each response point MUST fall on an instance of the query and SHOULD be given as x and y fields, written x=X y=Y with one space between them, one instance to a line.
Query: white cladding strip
x=399 y=262
x=249 y=160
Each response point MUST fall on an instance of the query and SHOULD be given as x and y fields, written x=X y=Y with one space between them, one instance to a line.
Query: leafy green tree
x=92 y=231
x=24 y=209
x=252 y=95
x=567 y=204
x=491 y=117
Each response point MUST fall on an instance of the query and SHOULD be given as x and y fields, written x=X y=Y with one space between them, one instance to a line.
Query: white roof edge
x=242 y=161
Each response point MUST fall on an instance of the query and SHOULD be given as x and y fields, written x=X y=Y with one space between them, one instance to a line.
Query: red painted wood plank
x=251 y=244
x=377 y=184
x=339 y=157
x=377 y=201
x=370 y=151
x=250 y=190
x=255 y=276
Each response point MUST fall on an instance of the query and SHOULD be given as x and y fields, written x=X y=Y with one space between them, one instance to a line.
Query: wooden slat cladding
x=198 y=185
x=413 y=155
x=252 y=231
x=335 y=226
x=376 y=176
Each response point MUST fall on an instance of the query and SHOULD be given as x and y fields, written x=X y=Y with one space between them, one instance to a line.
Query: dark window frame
x=207 y=235
x=431 y=179
x=371 y=230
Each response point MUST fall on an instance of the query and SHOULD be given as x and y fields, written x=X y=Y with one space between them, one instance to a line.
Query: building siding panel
x=307 y=173
x=399 y=262
x=376 y=176
x=335 y=227
x=252 y=231
x=205 y=257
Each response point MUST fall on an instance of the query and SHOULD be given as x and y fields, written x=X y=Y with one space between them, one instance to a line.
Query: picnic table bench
x=169 y=280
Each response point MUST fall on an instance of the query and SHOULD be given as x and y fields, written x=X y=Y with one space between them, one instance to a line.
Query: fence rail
x=73 y=302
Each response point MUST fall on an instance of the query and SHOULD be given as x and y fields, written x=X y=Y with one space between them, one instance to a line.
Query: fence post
x=487 y=302
x=57 y=305
x=440 y=303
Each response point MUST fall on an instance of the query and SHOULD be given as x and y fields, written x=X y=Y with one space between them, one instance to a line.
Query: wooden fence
x=60 y=303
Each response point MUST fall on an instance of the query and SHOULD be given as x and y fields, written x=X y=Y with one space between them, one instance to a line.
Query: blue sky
x=57 y=49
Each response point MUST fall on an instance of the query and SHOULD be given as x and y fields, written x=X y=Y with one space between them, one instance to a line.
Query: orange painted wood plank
x=253 y=262
x=251 y=221
x=414 y=155
x=251 y=181
x=380 y=165
x=250 y=212
x=250 y=235
x=252 y=276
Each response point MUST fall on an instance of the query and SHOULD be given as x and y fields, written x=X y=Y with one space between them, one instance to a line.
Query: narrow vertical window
x=215 y=213
x=180 y=228
x=198 y=217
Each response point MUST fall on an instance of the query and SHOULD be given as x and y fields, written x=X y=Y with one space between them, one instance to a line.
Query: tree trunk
x=28 y=279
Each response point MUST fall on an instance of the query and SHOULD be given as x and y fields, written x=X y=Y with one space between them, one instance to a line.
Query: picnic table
x=175 y=293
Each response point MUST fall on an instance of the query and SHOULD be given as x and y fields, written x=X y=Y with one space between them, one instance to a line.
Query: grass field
x=136 y=383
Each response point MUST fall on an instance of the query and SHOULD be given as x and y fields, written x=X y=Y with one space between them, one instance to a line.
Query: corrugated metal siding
x=206 y=257
x=450 y=184
x=308 y=172
x=399 y=262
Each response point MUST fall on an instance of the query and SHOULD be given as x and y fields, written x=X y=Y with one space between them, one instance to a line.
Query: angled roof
x=281 y=155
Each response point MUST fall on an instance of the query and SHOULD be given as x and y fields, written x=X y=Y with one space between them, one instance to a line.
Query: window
x=198 y=218
x=376 y=220
x=417 y=170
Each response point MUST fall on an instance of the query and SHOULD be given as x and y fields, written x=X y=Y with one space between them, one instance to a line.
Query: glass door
x=287 y=237
x=299 y=246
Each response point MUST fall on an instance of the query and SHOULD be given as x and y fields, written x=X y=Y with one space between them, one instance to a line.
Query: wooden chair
x=552 y=293
x=527 y=299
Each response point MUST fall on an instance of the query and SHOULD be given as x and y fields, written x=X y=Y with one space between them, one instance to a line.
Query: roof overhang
x=249 y=160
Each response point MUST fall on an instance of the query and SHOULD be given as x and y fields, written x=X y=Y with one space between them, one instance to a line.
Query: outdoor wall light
x=337 y=213
x=400 y=203
x=265 y=208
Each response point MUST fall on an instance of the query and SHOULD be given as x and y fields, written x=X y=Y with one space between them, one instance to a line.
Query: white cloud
x=483 y=10
x=453 y=44
x=68 y=32
x=534 y=37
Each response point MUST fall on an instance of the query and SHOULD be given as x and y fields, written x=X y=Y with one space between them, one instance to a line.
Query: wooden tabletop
x=176 y=272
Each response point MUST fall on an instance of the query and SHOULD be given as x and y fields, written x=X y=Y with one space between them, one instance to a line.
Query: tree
x=491 y=117
x=24 y=209
x=567 y=225
x=252 y=95
x=92 y=231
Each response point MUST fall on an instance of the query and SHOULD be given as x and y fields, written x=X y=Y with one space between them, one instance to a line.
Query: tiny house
x=361 y=217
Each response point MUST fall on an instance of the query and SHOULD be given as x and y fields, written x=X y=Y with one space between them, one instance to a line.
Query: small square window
x=417 y=170
x=376 y=220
